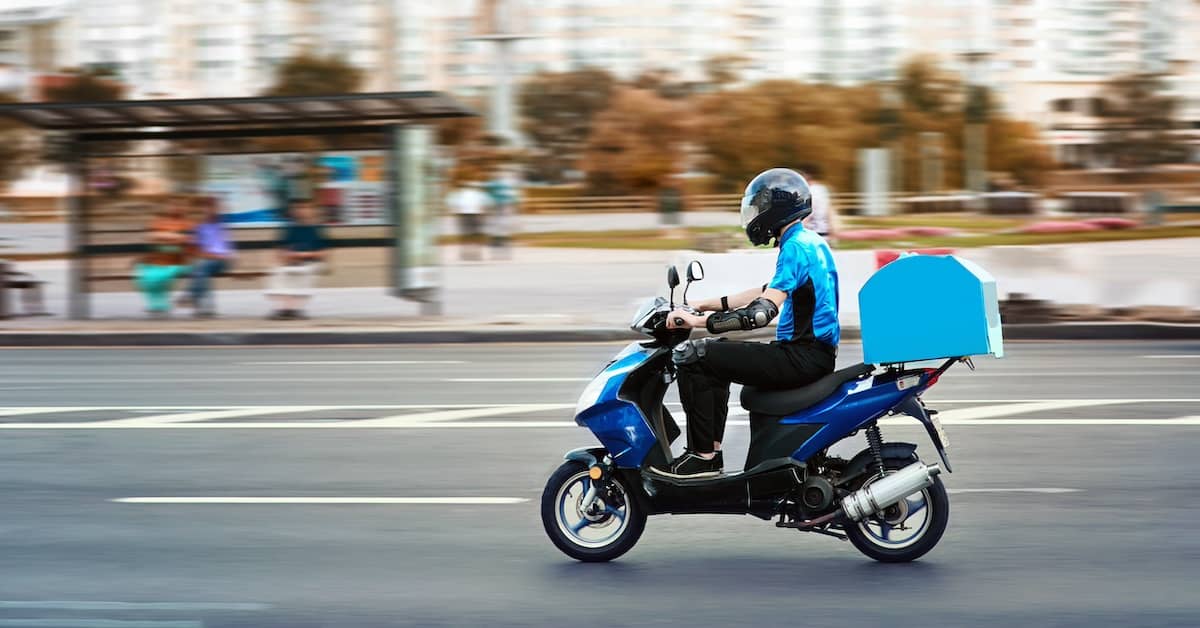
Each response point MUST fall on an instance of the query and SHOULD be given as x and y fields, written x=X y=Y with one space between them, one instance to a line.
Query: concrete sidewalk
x=579 y=294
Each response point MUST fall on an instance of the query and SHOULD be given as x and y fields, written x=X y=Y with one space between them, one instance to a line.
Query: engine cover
x=816 y=493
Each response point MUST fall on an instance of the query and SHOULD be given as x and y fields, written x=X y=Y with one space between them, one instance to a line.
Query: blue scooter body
x=609 y=409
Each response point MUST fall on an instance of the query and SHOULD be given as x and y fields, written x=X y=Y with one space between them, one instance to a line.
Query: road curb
x=1048 y=331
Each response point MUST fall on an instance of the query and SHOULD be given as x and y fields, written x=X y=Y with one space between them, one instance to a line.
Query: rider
x=804 y=292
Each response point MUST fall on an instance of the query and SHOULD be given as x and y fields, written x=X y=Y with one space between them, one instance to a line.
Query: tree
x=635 y=143
x=14 y=147
x=1139 y=118
x=557 y=111
x=89 y=85
x=782 y=123
x=724 y=70
x=312 y=75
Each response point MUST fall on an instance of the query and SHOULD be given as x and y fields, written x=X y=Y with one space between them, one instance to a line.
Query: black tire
x=938 y=503
x=634 y=523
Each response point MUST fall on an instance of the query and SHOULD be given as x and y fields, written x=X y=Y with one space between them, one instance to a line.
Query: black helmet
x=773 y=200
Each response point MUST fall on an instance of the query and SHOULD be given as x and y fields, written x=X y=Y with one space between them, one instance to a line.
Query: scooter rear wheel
x=904 y=531
x=606 y=530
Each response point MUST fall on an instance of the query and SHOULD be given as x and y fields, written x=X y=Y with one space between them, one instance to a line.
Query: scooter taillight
x=933 y=377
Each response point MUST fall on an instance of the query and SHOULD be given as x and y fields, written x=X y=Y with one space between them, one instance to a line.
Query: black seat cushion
x=792 y=400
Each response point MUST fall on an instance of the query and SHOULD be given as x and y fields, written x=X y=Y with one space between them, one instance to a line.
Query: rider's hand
x=682 y=319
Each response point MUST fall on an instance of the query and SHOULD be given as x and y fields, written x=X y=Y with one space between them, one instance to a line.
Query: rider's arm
x=790 y=273
x=730 y=302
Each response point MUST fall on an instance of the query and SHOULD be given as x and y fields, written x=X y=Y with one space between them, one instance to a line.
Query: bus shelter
x=394 y=125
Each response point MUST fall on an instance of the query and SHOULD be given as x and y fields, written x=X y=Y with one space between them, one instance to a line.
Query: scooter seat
x=792 y=400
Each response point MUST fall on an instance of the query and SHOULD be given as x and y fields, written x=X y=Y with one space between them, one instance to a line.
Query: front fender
x=587 y=455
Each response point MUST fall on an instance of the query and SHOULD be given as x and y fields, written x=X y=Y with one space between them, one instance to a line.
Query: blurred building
x=1046 y=59
x=1050 y=60
x=32 y=42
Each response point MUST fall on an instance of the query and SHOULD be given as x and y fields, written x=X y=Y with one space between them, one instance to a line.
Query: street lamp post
x=975 y=136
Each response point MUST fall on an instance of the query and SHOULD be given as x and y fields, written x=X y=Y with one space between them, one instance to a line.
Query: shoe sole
x=703 y=474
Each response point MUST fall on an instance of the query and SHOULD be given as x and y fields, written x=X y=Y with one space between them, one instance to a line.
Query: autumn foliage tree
x=557 y=110
x=780 y=123
x=635 y=143
x=1139 y=118
x=313 y=75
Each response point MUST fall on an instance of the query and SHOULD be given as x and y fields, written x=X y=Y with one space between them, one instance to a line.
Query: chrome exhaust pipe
x=867 y=501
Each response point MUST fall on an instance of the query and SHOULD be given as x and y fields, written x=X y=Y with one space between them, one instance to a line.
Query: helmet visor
x=749 y=211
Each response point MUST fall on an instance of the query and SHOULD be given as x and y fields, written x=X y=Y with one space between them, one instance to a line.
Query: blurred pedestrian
x=213 y=256
x=823 y=219
x=470 y=204
x=330 y=196
x=168 y=237
x=302 y=247
x=503 y=194
x=670 y=204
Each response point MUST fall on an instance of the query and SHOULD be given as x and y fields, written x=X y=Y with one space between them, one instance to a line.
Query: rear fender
x=863 y=461
x=913 y=407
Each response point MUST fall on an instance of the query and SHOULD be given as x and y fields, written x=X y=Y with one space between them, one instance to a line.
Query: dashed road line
x=330 y=501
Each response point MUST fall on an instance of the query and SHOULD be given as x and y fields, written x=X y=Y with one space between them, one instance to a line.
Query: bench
x=32 y=298
x=129 y=276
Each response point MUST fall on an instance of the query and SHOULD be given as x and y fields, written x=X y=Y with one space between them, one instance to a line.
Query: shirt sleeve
x=790 y=269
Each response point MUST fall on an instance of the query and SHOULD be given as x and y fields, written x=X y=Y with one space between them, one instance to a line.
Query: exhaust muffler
x=867 y=501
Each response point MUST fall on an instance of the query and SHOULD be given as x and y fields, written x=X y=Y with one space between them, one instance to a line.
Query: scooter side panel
x=853 y=406
x=618 y=424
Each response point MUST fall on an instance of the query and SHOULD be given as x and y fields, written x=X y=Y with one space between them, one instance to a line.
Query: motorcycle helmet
x=773 y=200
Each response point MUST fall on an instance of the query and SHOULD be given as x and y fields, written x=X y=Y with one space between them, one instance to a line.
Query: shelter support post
x=412 y=203
x=78 y=298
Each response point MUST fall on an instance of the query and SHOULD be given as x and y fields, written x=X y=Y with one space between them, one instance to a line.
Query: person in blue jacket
x=804 y=295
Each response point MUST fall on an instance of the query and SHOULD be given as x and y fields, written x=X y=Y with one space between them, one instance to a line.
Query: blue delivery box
x=924 y=307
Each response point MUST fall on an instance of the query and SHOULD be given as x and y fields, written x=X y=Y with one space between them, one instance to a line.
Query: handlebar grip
x=679 y=321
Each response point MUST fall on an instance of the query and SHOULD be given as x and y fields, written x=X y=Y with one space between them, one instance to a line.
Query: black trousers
x=704 y=384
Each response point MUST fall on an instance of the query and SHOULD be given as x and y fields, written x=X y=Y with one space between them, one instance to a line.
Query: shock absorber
x=875 y=442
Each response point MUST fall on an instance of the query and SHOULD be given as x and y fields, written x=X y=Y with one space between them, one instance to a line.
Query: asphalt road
x=1116 y=424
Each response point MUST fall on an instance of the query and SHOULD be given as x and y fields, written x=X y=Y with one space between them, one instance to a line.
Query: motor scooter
x=885 y=500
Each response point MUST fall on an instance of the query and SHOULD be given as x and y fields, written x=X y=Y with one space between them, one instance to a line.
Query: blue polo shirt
x=806 y=272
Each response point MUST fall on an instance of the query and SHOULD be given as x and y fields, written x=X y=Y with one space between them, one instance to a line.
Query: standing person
x=502 y=190
x=301 y=253
x=822 y=220
x=168 y=237
x=214 y=255
x=330 y=196
x=469 y=203
x=803 y=292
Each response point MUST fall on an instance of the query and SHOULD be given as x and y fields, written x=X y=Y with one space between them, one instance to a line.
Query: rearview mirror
x=672 y=277
x=695 y=271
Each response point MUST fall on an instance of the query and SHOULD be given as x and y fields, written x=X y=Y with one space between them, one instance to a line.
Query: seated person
x=169 y=239
x=804 y=292
x=301 y=251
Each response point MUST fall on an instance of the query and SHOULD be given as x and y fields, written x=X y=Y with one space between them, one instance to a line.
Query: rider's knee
x=689 y=354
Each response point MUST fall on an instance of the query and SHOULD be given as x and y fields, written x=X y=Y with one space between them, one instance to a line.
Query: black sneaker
x=690 y=465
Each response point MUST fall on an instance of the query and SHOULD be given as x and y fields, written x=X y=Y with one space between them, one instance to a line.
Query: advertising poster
x=348 y=187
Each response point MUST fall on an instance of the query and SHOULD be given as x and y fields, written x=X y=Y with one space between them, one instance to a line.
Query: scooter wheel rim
x=575 y=525
x=897 y=531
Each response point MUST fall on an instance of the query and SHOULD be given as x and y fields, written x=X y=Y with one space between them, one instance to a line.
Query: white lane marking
x=52 y=410
x=349 y=362
x=563 y=423
x=1173 y=356
x=1009 y=409
x=510 y=380
x=84 y=622
x=105 y=605
x=1046 y=490
x=435 y=501
x=401 y=420
x=211 y=415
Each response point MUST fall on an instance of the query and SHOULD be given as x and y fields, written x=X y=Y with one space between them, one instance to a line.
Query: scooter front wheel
x=599 y=532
